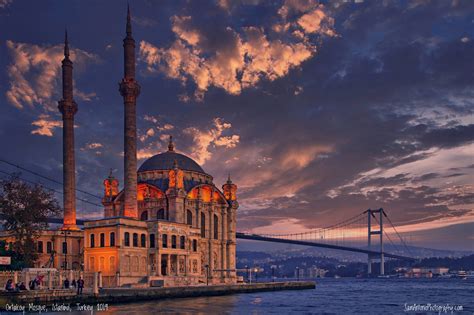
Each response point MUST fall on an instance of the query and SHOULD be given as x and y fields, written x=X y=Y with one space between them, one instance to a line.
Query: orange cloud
x=45 y=126
x=205 y=139
x=249 y=56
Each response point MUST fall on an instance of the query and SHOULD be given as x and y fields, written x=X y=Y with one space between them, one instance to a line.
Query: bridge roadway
x=255 y=237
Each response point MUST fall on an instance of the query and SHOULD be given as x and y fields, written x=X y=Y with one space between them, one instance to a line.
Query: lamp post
x=248 y=273
x=273 y=273
x=297 y=273
x=65 y=233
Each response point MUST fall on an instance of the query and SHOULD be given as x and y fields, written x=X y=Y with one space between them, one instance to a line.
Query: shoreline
x=127 y=295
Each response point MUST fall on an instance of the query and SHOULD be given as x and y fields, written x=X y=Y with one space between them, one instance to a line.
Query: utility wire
x=49 y=188
x=45 y=177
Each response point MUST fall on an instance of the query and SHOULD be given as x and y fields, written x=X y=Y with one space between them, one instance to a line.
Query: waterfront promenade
x=123 y=295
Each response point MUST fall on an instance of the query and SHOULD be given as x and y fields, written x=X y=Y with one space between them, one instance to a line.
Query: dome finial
x=110 y=173
x=229 y=181
x=171 y=144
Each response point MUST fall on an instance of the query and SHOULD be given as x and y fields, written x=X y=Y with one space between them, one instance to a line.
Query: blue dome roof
x=165 y=161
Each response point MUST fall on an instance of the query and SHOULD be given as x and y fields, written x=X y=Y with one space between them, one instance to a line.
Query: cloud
x=5 y=3
x=204 y=140
x=35 y=74
x=240 y=59
x=45 y=125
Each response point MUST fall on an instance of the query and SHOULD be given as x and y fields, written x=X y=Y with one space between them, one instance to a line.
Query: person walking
x=80 y=286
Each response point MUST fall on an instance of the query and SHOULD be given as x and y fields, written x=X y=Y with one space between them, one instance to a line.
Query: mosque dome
x=166 y=161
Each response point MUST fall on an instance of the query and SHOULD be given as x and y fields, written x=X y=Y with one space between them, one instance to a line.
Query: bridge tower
x=370 y=215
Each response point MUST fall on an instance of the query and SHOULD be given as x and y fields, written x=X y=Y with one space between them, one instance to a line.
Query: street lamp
x=273 y=273
x=248 y=273
x=65 y=233
x=256 y=273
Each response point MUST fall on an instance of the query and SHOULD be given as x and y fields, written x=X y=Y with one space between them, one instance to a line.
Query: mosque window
x=144 y=216
x=40 y=246
x=160 y=215
x=195 y=245
x=152 y=240
x=135 y=239
x=173 y=241
x=102 y=239
x=189 y=217
x=92 y=240
x=112 y=239
x=127 y=239
x=64 y=248
x=203 y=224
x=49 y=247
x=216 y=227
x=143 y=240
x=182 y=242
x=165 y=240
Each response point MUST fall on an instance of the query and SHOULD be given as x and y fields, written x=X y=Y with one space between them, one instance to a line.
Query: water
x=331 y=296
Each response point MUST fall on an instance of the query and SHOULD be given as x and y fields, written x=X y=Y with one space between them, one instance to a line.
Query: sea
x=331 y=296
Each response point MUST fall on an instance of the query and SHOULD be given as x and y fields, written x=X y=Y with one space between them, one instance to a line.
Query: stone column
x=68 y=108
x=130 y=89
x=211 y=247
x=158 y=262
x=224 y=244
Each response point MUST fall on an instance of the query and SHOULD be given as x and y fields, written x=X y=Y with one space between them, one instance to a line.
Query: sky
x=318 y=110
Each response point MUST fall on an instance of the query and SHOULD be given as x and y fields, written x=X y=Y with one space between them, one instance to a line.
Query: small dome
x=165 y=161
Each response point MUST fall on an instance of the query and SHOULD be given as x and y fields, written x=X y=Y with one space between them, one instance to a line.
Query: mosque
x=170 y=222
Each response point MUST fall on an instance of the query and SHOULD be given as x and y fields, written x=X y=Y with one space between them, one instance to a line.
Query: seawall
x=124 y=295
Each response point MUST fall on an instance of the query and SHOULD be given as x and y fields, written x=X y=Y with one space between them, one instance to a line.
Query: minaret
x=130 y=90
x=68 y=108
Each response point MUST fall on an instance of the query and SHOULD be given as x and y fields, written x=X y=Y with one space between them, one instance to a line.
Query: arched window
x=152 y=240
x=144 y=216
x=195 y=245
x=112 y=239
x=40 y=246
x=49 y=247
x=189 y=217
x=203 y=224
x=216 y=227
x=143 y=240
x=102 y=239
x=160 y=215
x=165 y=240
x=135 y=239
x=173 y=241
x=92 y=240
x=126 y=239
x=182 y=242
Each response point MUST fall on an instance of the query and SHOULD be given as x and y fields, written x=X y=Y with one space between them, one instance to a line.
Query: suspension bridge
x=355 y=234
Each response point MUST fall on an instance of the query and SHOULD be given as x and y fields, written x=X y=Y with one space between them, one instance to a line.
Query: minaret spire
x=68 y=108
x=129 y=22
x=66 y=46
x=130 y=89
x=171 y=144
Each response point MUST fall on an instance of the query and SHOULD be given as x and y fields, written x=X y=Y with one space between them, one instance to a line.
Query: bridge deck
x=316 y=244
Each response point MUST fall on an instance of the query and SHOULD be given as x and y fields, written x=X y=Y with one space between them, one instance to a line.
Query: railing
x=54 y=279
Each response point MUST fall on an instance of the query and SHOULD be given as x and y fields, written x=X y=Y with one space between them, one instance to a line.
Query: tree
x=25 y=209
